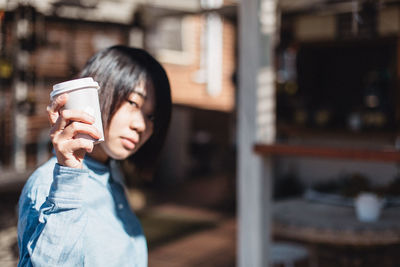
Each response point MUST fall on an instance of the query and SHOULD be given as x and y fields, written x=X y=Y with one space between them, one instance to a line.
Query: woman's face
x=130 y=127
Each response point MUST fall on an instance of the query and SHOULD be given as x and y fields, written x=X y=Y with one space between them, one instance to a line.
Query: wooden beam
x=386 y=155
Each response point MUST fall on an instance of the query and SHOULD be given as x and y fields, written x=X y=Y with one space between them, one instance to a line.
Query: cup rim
x=75 y=84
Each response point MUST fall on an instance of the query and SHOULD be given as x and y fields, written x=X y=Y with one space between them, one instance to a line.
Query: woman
x=73 y=210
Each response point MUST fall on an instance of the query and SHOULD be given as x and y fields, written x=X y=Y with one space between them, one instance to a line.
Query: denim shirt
x=78 y=217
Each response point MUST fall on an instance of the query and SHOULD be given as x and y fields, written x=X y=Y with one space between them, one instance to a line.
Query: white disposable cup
x=368 y=207
x=82 y=95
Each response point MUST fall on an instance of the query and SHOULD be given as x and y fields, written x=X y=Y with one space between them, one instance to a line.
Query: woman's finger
x=75 y=128
x=54 y=107
x=66 y=116
x=74 y=145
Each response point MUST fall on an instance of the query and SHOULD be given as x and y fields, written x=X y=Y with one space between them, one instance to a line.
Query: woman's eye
x=133 y=103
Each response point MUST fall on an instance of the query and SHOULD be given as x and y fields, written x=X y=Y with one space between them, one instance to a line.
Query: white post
x=214 y=34
x=20 y=90
x=256 y=123
x=213 y=47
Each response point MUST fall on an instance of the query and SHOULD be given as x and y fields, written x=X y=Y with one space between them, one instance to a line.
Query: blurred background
x=335 y=84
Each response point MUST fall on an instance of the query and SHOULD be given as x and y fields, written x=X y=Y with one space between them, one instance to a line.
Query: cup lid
x=63 y=87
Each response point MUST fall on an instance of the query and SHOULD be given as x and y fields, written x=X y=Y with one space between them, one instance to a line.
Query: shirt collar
x=116 y=173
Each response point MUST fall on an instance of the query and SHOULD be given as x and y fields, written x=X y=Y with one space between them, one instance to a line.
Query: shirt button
x=120 y=206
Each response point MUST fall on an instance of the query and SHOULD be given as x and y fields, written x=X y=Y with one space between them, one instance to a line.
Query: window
x=171 y=40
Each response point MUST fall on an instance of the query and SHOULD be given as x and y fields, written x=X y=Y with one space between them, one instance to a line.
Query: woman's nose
x=138 y=122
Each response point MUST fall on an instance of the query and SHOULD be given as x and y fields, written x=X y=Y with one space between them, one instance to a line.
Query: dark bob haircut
x=118 y=70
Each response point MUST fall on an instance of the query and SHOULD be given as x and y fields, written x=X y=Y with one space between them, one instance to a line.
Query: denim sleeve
x=52 y=234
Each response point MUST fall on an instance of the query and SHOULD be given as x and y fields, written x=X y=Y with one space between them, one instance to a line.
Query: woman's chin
x=121 y=154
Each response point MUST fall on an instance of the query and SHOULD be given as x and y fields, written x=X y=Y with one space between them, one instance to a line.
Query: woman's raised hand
x=65 y=125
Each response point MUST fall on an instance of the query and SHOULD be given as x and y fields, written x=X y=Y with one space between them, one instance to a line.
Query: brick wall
x=67 y=47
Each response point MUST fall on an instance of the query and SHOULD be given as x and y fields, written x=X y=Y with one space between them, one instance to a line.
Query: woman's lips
x=128 y=143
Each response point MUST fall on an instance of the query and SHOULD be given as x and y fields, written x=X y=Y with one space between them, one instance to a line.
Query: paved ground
x=8 y=228
x=209 y=248
x=8 y=247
